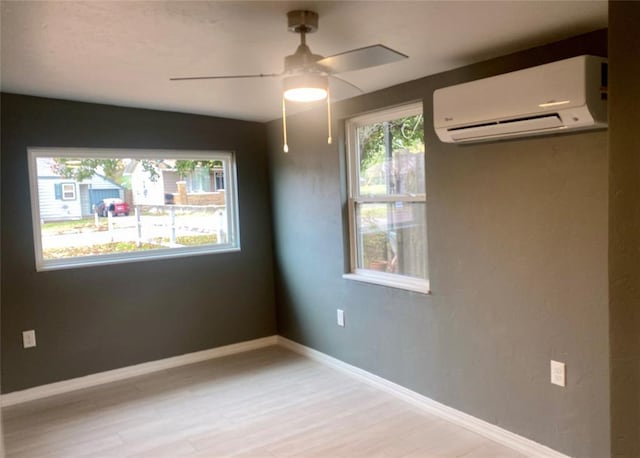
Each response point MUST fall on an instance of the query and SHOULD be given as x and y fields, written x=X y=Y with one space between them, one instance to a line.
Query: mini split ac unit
x=562 y=96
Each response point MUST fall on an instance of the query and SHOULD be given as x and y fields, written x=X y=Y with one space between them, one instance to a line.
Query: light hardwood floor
x=269 y=402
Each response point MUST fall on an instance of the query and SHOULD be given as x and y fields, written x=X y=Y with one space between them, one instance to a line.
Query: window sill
x=390 y=280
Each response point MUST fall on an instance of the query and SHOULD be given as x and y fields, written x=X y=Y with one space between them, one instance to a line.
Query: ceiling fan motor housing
x=303 y=60
x=302 y=21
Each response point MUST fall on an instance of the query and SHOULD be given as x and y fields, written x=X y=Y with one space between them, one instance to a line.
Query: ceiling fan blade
x=357 y=59
x=347 y=83
x=259 y=75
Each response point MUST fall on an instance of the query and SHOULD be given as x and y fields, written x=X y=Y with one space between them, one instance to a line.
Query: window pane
x=130 y=206
x=391 y=237
x=391 y=157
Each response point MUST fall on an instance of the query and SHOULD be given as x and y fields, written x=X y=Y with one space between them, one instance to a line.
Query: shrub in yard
x=374 y=248
x=204 y=239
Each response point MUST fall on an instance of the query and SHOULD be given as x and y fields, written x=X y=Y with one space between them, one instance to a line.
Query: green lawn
x=61 y=227
x=373 y=190
x=373 y=211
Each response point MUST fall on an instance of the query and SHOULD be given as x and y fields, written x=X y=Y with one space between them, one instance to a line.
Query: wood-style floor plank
x=268 y=403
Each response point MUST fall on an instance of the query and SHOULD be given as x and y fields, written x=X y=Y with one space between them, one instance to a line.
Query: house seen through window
x=104 y=206
x=387 y=198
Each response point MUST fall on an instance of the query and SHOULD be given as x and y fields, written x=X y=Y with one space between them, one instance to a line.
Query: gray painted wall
x=624 y=227
x=159 y=308
x=518 y=261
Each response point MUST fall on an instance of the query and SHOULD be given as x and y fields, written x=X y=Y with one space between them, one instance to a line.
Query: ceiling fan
x=306 y=75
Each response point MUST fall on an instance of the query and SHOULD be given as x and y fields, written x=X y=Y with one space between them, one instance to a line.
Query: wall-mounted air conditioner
x=562 y=96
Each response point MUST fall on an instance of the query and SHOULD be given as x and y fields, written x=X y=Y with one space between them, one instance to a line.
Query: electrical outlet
x=558 y=373
x=341 y=318
x=29 y=338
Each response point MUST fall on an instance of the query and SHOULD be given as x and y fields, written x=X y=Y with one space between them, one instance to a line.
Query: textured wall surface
x=93 y=319
x=517 y=255
x=624 y=226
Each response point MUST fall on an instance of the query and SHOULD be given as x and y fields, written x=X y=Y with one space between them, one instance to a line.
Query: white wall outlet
x=558 y=373
x=29 y=338
x=341 y=318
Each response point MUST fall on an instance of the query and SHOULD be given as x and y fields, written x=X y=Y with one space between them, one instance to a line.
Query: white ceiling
x=124 y=52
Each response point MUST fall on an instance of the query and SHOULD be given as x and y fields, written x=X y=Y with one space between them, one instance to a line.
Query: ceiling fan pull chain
x=284 y=126
x=329 y=115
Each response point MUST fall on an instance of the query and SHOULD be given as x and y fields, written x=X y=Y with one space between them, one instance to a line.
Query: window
x=68 y=191
x=387 y=198
x=200 y=179
x=219 y=176
x=94 y=206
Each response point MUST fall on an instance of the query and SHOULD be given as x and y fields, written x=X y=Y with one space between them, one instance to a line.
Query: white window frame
x=353 y=164
x=231 y=200
x=71 y=191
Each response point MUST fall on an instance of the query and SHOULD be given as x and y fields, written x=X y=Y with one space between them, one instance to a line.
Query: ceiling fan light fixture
x=305 y=87
x=309 y=87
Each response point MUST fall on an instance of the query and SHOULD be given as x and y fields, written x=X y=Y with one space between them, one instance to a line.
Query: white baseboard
x=87 y=381
x=488 y=430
